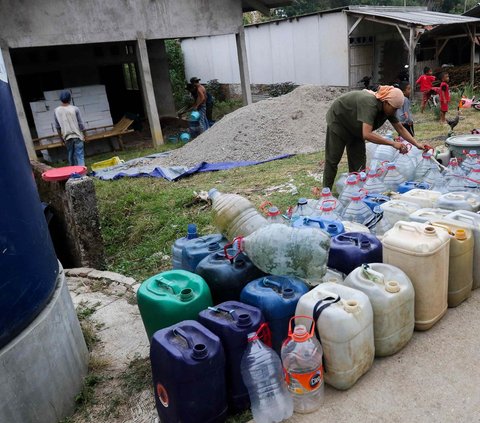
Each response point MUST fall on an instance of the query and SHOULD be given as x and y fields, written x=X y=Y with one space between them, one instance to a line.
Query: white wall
x=308 y=50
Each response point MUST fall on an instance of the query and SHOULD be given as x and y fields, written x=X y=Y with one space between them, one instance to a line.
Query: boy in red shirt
x=425 y=82
x=444 y=94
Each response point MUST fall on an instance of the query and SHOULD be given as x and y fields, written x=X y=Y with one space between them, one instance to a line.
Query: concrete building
x=52 y=44
x=335 y=47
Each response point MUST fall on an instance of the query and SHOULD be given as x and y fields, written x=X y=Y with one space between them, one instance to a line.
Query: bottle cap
x=300 y=334
x=302 y=201
x=326 y=192
x=392 y=287
x=460 y=234
x=192 y=231
x=273 y=211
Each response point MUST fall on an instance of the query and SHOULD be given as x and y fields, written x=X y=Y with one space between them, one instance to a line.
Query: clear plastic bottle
x=351 y=187
x=406 y=166
x=455 y=176
x=262 y=374
x=303 y=208
x=473 y=178
x=303 y=369
x=384 y=153
x=357 y=211
x=471 y=159
x=274 y=215
x=435 y=179
x=393 y=178
x=374 y=184
x=325 y=195
x=328 y=210
x=340 y=182
x=424 y=166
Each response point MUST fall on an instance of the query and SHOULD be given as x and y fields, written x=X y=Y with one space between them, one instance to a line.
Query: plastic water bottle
x=471 y=159
x=351 y=187
x=262 y=374
x=393 y=178
x=303 y=369
x=424 y=166
x=455 y=177
x=474 y=175
x=406 y=166
x=435 y=179
x=357 y=211
x=303 y=208
x=340 y=183
x=374 y=184
x=274 y=215
x=370 y=148
x=325 y=195
x=328 y=210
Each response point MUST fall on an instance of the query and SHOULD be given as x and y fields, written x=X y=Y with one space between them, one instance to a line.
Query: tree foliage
x=176 y=69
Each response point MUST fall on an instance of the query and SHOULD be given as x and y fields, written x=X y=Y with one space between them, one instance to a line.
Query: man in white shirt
x=71 y=129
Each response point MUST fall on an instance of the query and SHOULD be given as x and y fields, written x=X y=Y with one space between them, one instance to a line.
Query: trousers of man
x=204 y=123
x=334 y=148
x=75 y=152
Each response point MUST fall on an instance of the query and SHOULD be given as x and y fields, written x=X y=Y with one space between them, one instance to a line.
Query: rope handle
x=263 y=334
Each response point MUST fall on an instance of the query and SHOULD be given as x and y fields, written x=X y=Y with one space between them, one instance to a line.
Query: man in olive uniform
x=351 y=120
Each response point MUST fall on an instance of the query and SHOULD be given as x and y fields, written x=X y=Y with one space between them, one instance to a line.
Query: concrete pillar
x=162 y=88
x=12 y=79
x=148 y=92
x=243 y=63
x=411 y=61
x=472 y=55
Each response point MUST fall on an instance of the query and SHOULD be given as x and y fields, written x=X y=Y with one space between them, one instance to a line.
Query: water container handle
x=276 y=285
x=306 y=220
x=347 y=238
x=372 y=275
x=263 y=334
x=228 y=246
x=407 y=225
x=372 y=222
x=440 y=225
x=467 y=219
x=163 y=283
x=290 y=331
x=264 y=205
x=182 y=334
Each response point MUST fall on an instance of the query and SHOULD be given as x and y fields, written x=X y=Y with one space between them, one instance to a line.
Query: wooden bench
x=121 y=128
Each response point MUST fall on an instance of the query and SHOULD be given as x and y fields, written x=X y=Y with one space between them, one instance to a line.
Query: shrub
x=276 y=90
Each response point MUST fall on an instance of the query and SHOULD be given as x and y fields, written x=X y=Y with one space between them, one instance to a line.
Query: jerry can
x=285 y=251
x=460 y=271
x=344 y=327
x=396 y=210
x=170 y=297
x=407 y=186
x=351 y=249
x=331 y=227
x=392 y=297
x=423 y=198
x=234 y=215
x=188 y=369
x=333 y=276
x=195 y=250
x=232 y=321
x=429 y=214
x=355 y=227
x=459 y=200
x=226 y=278
x=276 y=297
x=470 y=220
x=178 y=245
x=422 y=252
x=373 y=200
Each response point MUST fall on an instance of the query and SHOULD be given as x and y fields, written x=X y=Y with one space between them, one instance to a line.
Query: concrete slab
x=435 y=378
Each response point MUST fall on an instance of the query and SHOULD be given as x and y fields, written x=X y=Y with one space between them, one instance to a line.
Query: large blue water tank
x=28 y=265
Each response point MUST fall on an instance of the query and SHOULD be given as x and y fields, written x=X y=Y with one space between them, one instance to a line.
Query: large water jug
x=379 y=225
x=357 y=211
x=396 y=210
x=374 y=183
x=393 y=299
x=178 y=245
x=234 y=215
x=351 y=249
x=302 y=209
x=195 y=250
x=276 y=297
x=351 y=187
x=407 y=186
x=406 y=166
x=423 y=198
x=422 y=252
x=331 y=227
x=282 y=250
x=429 y=215
x=436 y=180
x=470 y=220
x=188 y=369
x=226 y=278
x=460 y=272
x=262 y=374
x=374 y=200
x=370 y=148
x=344 y=327
x=471 y=160
x=170 y=297
x=340 y=182
x=274 y=215
x=232 y=321
x=333 y=276
x=354 y=227
x=328 y=209
x=459 y=200
x=393 y=178
x=326 y=195
x=302 y=360
x=383 y=153
x=473 y=176
x=424 y=166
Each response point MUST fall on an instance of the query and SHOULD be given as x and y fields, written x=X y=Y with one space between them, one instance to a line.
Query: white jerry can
x=392 y=297
x=344 y=326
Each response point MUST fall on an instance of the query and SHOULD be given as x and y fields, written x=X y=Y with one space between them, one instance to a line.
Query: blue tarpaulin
x=143 y=167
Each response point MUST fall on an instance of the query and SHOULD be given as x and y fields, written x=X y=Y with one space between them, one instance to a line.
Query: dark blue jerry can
x=373 y=200
x=331 y=227
x=195 y=250
x=407 y=186
x=232 y=321
x=351 y=249
x=226 y=278
x=28 y=264
x=276 y=297
x=188 y=369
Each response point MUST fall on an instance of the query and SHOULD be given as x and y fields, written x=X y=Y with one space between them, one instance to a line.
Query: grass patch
x=244 y=417
x=89 y=327
x=137 y=377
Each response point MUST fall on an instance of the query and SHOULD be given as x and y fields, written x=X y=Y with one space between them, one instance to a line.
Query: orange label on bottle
x=304 y=383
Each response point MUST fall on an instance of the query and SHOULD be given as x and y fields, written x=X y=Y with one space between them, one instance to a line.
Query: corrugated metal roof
x=411 y=15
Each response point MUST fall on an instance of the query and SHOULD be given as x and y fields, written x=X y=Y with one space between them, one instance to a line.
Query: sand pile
x=290 y=124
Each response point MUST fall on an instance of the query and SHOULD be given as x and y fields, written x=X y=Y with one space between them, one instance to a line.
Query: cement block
x=79 y=272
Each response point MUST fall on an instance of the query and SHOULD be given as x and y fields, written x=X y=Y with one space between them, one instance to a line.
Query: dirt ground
x=435 y=378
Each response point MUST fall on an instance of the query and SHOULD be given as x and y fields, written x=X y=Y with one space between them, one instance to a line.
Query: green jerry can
x=170 y=297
